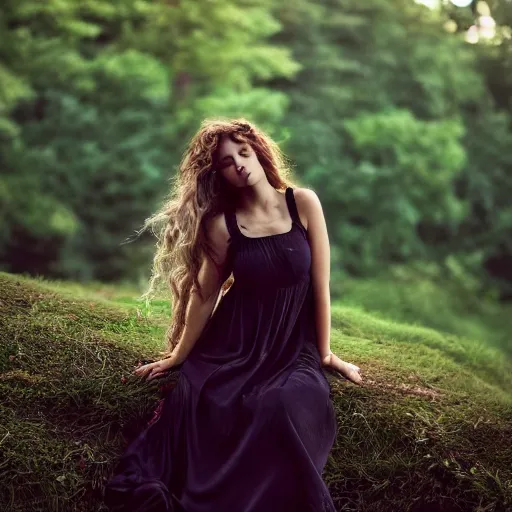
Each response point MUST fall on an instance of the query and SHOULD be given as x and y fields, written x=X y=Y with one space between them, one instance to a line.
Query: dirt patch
x=380 y=379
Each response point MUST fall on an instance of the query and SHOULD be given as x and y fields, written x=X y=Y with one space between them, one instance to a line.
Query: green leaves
x=389 y=117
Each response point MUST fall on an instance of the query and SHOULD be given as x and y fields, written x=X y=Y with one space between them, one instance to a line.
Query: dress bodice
x=272 y=261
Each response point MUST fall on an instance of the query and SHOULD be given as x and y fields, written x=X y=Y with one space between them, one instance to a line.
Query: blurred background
x=397 y=113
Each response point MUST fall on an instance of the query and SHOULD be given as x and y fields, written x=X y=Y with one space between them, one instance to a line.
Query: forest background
x=396 y=113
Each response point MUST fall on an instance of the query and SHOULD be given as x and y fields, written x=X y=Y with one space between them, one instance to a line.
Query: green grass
x=427 y=297
x=430 y=428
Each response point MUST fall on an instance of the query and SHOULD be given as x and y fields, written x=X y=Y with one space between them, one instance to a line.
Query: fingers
x=155 y=375
x=151 y=370
x=142 y=369
x=147 y=369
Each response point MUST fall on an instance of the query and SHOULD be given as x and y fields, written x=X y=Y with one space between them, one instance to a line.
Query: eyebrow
x=244 y=146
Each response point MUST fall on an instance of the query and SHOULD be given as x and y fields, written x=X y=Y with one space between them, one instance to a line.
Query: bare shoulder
x=216 y=263
x=217 y=233
x=308 y=204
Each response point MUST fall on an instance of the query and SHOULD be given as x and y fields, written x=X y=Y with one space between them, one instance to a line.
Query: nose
x=239 y=168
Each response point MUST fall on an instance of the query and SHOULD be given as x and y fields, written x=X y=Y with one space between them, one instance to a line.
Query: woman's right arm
x=198 y=311
x=211 y=279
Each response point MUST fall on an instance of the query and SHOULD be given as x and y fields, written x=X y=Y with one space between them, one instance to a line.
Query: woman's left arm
x=310 y=206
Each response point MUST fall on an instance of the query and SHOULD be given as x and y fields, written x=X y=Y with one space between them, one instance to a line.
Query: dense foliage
x=400 y=125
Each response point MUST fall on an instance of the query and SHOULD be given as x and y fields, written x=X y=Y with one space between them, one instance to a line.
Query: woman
x=249 y=424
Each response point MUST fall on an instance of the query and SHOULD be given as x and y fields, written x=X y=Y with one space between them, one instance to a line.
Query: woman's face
x=238 y=163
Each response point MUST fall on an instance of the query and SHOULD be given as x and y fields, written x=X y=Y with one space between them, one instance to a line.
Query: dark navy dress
x=249 y=424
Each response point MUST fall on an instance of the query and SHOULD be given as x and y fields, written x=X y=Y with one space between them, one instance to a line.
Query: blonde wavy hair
x=197 y=194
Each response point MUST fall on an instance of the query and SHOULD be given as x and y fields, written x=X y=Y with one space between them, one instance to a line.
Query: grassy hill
x=429 y=430
x=426 y=296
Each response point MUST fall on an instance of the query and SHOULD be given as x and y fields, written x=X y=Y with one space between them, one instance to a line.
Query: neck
x=259 y=198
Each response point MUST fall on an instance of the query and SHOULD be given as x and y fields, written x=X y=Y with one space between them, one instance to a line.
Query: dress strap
x=231 y=224
x=292 y=206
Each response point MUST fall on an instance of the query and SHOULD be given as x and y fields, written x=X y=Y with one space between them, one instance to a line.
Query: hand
x=157 y=368
x=348 y=370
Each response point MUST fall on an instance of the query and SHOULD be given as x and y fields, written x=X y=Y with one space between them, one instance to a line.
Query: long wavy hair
x=197 y=194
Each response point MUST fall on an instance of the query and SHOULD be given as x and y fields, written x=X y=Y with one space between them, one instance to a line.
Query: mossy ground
x=430 y=429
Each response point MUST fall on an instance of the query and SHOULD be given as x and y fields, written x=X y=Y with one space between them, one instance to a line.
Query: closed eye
x=229 y=162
